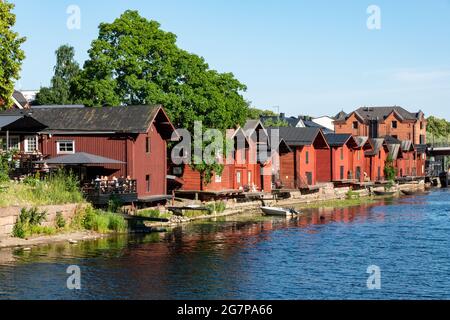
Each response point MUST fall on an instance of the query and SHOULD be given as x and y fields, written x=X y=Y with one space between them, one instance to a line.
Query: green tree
x=276 y=123
x=11 y=56
x=255 y=113
x=134 y=62
x=66 y=69
x=438 y=128
x=390 y=172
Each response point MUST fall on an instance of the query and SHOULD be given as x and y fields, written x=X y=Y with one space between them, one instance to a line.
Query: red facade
x=300 y=166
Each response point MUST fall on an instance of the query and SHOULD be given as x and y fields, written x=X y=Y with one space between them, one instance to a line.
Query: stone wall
x=8 y=216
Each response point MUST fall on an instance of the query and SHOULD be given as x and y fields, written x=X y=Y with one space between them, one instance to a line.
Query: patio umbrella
x=80 y=158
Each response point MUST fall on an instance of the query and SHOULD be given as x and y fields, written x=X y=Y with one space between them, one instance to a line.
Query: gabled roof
x=297 y=136
x=407 y=146
x=380 y=114
x=395 y=151
x=362 y=141
x=19 y=99
x=340 y=139
x=391 y=140
x=20 y=123
x=341 y=116
x=377 y=144
x=129 y=119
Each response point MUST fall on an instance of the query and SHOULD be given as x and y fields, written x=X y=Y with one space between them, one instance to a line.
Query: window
x=31 y=144
x=394 y=124
x=65 y=147
x=218 y=178
x=379 y=154
x=355 y=124
x=422 y=139
x=14 y=143
x=307 y=157
x=395 y=136
x=147 y=145
x=249 y=178
x=342 y=154
x=421 y=125
x=358 y=154
x=147 y=183
x=238 y=177
x=341 y=173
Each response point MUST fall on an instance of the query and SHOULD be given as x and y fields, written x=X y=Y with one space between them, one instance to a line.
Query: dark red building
x=132 y=139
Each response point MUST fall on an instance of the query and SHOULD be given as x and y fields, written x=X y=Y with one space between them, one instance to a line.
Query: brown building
x=376 y=122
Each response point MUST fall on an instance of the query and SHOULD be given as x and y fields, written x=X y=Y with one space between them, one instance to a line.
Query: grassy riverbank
x=58 y=188
x=340 y=203
x=31 y=223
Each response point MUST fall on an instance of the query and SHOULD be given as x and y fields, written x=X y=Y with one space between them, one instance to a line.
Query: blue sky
x=307 y=57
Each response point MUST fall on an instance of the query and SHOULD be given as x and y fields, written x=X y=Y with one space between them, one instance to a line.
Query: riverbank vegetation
x=31 y=223
x=57 y=188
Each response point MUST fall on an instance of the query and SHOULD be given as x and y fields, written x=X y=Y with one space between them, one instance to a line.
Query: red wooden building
x=376 y=159
x=131 y=139
x=306 y=155
x=247 y=171
x=341 y=155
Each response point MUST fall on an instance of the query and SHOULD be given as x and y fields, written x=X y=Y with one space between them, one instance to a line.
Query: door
x=358 y=173
x=309 y=178
x=238 y=180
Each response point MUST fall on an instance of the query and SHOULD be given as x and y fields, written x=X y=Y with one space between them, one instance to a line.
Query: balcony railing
x=110 y=187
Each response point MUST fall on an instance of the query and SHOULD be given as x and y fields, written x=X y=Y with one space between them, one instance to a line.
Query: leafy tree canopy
x=276 y=123
x=66 y=69
x=11 y=56
x=255 y=113
x=134 y=62
x=438 y=127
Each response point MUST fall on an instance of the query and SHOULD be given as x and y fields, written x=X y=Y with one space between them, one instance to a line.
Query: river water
x=324 y=254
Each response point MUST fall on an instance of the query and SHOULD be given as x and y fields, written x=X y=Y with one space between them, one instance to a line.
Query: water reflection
x=321 y=254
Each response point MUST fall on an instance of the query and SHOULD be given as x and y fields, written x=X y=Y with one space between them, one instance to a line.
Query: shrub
x=29 y=223
x=114 y=204
x=100 y=221
x=352 y=195
x=60 y=221
x=220 y=206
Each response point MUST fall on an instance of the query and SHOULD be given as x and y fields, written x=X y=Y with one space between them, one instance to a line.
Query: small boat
x=274 y=211
x=384 y=193
x=415 y=193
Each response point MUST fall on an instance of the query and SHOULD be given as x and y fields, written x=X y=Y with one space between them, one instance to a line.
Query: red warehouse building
x=248 y=171
x=307 y=154
x=376 y=159
x=342 y=148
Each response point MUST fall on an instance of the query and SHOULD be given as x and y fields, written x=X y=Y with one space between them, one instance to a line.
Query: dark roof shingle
x=297 y=136
x=133 y=119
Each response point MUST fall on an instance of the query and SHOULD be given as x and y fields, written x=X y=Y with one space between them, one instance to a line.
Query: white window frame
x=249 y=178
x=218 y=178
x=26 y=147
x=58 y=147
